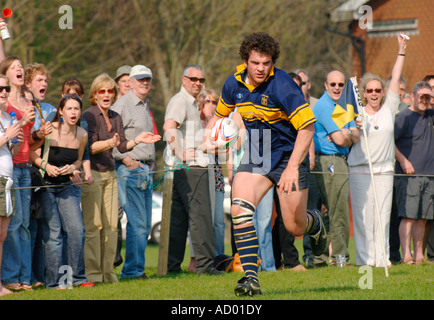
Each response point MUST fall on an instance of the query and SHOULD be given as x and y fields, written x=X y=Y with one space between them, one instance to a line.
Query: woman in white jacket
x=7 y=151
x=380 y=108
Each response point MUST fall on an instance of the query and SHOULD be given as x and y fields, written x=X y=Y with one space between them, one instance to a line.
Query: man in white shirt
x=190 y=199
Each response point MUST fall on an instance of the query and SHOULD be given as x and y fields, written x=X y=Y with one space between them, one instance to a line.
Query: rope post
x=165 y=222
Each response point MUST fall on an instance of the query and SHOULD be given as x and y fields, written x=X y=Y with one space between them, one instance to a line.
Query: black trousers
x=191 y=210
x=283 y=242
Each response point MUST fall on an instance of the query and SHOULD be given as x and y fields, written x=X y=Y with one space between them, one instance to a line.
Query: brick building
x=378 y=34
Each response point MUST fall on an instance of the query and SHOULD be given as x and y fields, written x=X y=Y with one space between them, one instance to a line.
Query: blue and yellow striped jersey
x=276 y=106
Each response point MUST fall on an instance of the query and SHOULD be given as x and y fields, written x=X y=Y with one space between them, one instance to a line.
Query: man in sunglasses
x=135 y=169
x=331 y=150
x=191 y=205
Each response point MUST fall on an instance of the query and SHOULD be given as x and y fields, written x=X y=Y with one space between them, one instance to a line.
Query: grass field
x=329 y=283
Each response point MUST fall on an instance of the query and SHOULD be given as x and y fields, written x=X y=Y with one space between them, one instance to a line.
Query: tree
x=167 y=35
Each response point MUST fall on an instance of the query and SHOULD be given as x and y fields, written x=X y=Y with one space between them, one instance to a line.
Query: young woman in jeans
x=61 y=201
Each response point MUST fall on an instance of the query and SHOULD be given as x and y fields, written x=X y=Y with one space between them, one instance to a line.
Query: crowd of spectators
x=94 y=164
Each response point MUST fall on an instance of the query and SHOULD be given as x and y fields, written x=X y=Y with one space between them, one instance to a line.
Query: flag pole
x=365 y=135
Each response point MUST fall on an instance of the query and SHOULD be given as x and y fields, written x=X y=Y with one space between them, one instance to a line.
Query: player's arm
x=302 y=145
x=170 y=128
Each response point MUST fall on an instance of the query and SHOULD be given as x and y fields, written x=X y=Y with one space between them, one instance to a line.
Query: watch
x=7 y=138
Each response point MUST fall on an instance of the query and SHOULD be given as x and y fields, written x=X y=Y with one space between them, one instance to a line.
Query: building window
x=392 y=28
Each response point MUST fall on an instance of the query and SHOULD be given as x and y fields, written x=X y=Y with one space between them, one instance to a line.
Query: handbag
x=38 y=183
x=230 y=264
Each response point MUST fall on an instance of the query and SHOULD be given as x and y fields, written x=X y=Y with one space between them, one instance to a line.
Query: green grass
x=329 y=283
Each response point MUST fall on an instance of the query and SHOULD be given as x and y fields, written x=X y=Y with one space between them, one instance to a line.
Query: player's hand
x=288 y=180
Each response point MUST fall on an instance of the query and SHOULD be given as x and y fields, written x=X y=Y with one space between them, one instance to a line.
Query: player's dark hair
x=261 y=43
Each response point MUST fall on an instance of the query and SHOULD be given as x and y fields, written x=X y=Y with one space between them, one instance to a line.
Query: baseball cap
x=140 y=72
x=122 y=71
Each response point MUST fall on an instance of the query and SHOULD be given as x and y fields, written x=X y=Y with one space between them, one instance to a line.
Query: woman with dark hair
x=75 y=86
x=61 y=205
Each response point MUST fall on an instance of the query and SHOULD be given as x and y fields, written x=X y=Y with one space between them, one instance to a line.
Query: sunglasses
x=7 y=88
x=210 y=101
x=303 y=83
x=372 y=90
x=194 y=79
x=334 y=84
x=104 y=91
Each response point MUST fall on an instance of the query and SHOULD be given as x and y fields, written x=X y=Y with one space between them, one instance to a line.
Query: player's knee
x=242 y=212
x=294 y=226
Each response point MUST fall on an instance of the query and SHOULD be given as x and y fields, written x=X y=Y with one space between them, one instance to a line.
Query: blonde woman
x=381 y=105
x=100 y=199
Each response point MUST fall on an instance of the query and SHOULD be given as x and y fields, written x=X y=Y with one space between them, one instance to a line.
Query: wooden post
x=165 y=222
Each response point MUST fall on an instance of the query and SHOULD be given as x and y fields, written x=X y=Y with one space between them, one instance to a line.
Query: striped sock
x=316 y=224
x=247 y=244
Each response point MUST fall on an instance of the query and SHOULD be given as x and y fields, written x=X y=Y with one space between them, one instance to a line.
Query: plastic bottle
x=7 y=13
x=13 y=120
x=5 y=33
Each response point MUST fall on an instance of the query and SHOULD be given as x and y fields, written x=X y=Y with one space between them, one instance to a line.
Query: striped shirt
x=273 y=112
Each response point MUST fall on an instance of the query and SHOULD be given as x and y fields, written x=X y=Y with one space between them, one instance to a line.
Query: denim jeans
x=262 y=223
x=135 y=196
x=17 y=257
x=219 y=223
x=38 y=263
x=62 y=214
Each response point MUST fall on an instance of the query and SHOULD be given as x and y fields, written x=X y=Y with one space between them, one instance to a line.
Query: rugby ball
x=224 y=133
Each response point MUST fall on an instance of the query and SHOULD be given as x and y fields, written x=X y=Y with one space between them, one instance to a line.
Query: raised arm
x=2 y=50
x=399 y=64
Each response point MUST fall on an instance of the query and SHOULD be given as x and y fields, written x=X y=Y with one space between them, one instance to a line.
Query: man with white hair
x=134 y=169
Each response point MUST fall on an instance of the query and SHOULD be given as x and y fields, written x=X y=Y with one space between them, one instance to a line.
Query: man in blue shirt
x=36 y=80
x=331 y=150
